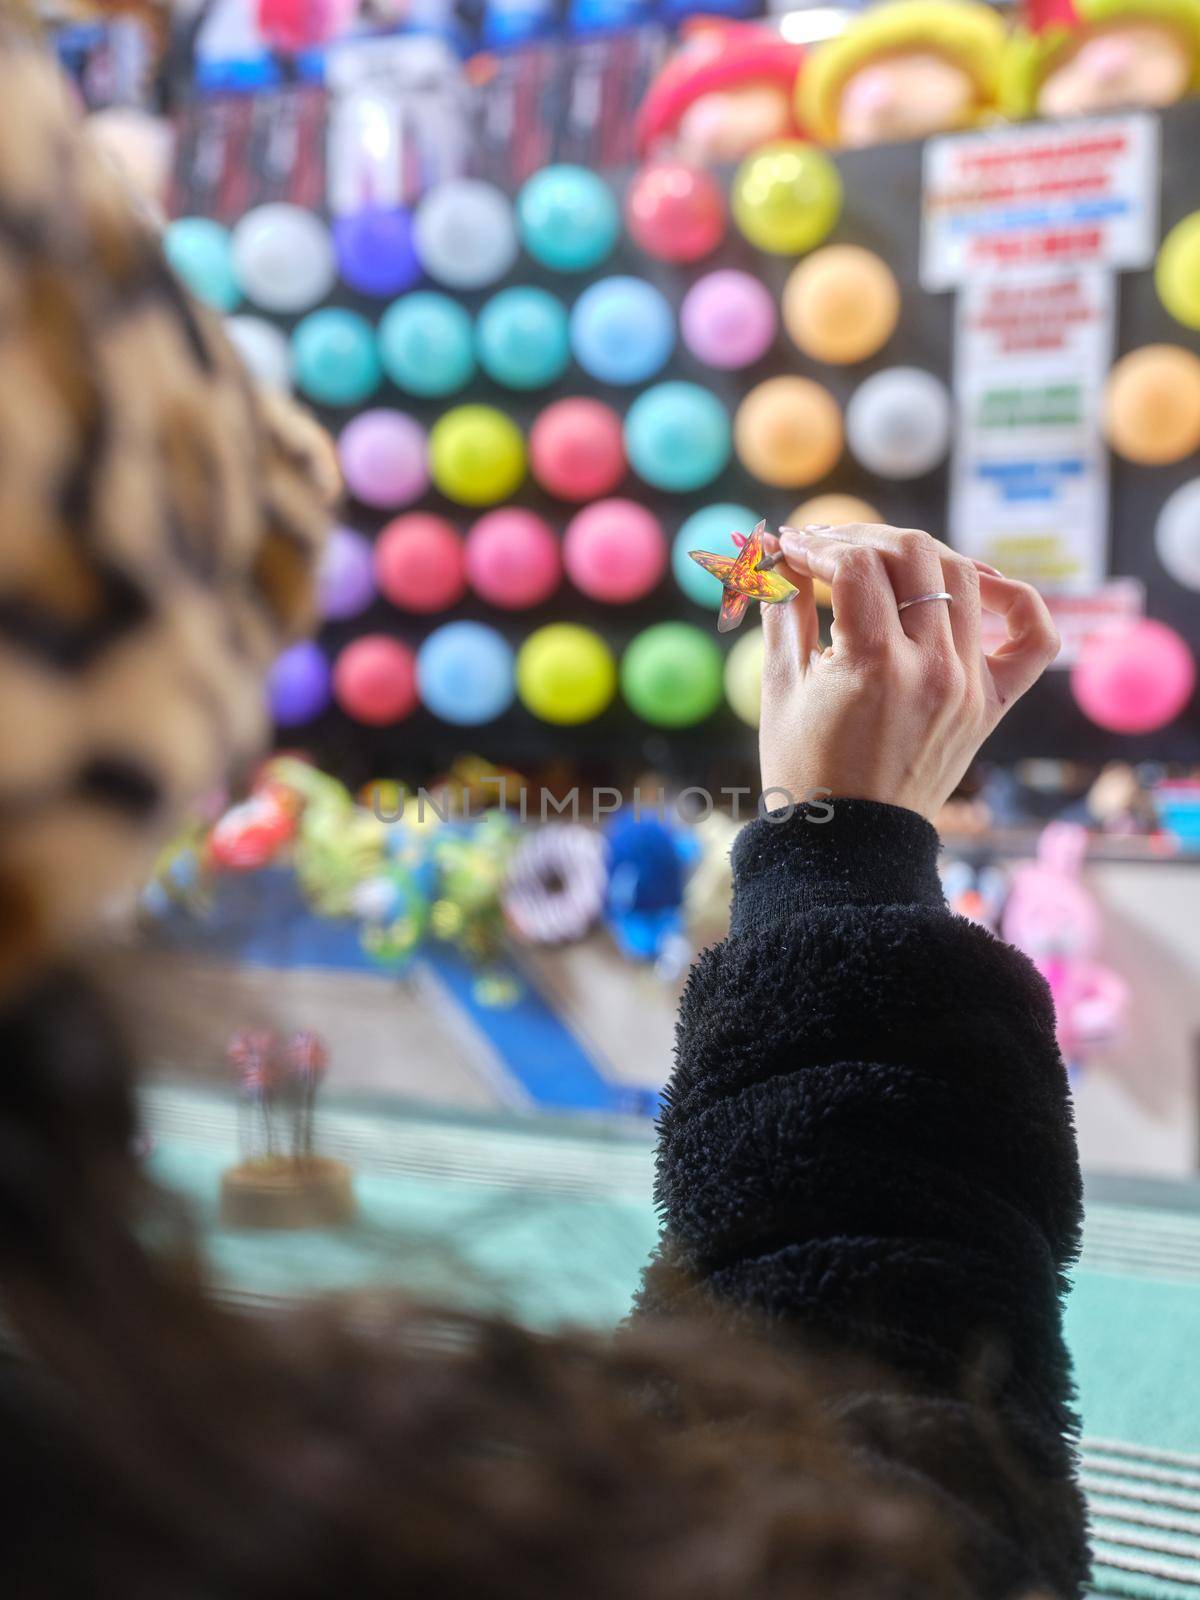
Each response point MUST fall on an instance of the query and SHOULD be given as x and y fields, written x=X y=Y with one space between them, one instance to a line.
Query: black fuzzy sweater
x=868 y=1139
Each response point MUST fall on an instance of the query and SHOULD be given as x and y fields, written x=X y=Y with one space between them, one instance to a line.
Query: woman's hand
x=895 y=709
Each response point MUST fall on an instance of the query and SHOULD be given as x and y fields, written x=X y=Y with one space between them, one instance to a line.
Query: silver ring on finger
x=920 y=599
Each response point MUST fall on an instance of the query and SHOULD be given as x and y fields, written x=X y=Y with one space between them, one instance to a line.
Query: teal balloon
x=568 y=218
x=522 y=338
x=199 y=252
x=334 y=357
x=427 y=345
x=677 y=436
x=711 y=528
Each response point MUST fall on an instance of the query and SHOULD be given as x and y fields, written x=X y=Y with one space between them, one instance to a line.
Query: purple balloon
x=727 y=319
x=375 y=251
x=346 y=576
x=299 y=684
x=383 y=455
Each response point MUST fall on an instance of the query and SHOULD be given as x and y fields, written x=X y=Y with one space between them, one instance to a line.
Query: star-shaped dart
x=747 y=576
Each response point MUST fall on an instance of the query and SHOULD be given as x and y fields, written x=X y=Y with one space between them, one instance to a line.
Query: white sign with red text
x=1047 y=194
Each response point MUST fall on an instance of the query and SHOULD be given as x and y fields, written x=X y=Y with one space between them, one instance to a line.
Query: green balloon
x=671 y=675
x=1177 y=271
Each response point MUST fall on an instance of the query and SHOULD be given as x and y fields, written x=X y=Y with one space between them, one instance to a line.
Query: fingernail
x=818 y=527
x=982 y=566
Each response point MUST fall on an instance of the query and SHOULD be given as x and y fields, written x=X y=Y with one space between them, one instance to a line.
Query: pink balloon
x=1136 y=680
x=614 y=551
x=675 y=212
x=513 y=559
x=419 y=563
x=577 y=449
x=728 y=319
x=375 y=680
x=384 y=458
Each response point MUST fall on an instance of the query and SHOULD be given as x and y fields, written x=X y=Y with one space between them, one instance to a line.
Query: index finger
x=1032 y=642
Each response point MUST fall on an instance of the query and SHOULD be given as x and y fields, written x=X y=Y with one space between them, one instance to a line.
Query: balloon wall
x=543 y=400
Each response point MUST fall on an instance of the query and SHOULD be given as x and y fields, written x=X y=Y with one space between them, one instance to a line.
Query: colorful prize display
x=898 y=422
x=375 y=680
x=465 y=673
x=299 y=685
x=383 y=455
x=1177 y=272
x=200 y=251
x=283 y=258
x=677 y=436
x=712 y=528
x=577 y=449
x=565 y=674
x=1136 y=680
x=841 y=304
x=786 y=197
x=788 y=432
x=743 y=677
x=476 y=455
x=464 y=233
x=614 y=551
x=671 y=675
x=513 y=558
x=1152 y=405
x=568 y=218
x=427 y=345
x=335 y=358
x=264 y=348
x=675 y=212
x=375 y=251
x=1177 y=534
x=622 y=330
x=419 y=563
x=346 y=575
x=727 y=320
x=522 y=338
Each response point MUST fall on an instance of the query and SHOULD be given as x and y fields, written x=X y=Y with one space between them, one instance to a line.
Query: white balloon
x=464 y=233
x=1177 y=534
x=283 y=257
x=264 y=348
x=898 y=422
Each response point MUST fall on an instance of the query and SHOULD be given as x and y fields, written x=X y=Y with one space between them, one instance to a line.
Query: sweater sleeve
x=868 y=1141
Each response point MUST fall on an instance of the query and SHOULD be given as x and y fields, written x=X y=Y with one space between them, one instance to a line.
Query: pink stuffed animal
x=1056 y=922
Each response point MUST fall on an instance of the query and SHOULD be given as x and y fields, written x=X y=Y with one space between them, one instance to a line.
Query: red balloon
x=577 y=450
x=675 y=212
x=419 y=563
x=375 y=680
x=513 y=558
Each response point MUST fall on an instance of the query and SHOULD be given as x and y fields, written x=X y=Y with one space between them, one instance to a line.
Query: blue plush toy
x=647 y=862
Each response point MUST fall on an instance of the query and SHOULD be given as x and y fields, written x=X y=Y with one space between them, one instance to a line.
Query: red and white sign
x=1044 y=195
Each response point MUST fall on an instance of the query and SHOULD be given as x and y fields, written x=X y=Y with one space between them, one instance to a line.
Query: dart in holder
x=279 y=1180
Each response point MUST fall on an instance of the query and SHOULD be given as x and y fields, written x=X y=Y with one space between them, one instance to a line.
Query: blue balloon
x=199 y=252
x=567 y=218
x=677 y=436
x=465 y=673
x=375 y=251
x=711 y=528
x=522 y=338
x=298 y=685
x=426 y=344
x=334 y=357
x=622 y=330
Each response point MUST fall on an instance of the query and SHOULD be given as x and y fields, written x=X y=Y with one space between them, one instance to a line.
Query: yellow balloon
x=565 y=674
x=1177 y=271
x=743 y=676
x=1152 y=404
x=841 y=304
x=788 y=432
x=786 y=197
x=476 y=455
x=833 y=511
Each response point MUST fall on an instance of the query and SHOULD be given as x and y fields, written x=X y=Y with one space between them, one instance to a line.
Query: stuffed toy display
x=728 y=90
x=1072 y=57
x=904 y=70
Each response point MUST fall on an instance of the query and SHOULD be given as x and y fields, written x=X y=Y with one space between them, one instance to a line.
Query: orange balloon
x=788 y=432
x=841 y=304
x=833 y=511
x=1152 y=404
